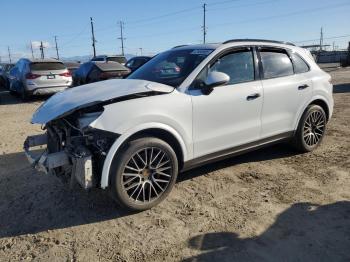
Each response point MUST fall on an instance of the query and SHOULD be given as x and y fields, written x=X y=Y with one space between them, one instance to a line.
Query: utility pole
x=58 y=56
x=31 y=49
x=140 y=50
x=121 y=24
x=93 y=36
x=42 y=50
x=8 y=49
x=204 y=22
x=321 y=39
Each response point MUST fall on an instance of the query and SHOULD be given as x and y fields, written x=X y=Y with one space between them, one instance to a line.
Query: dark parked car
x=90 y=72
x=72 y=66
x=4 y=75
x=136 y=62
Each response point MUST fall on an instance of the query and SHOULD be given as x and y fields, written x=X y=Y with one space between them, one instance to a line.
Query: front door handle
x=302 y=87
x=253 y=96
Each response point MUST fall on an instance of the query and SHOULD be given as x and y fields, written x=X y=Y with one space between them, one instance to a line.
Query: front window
x=171 y=67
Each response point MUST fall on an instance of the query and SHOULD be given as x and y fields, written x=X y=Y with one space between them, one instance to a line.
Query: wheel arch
x=163 y=132
x=318 y=100
x=322 y=104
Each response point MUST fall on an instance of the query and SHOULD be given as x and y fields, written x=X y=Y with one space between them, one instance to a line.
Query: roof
x=46 y=60
x=201 y=46
x=216 y=45
x=108 y=56
x=258 y=40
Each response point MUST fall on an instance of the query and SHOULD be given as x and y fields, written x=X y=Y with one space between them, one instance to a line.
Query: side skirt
x=238 y=150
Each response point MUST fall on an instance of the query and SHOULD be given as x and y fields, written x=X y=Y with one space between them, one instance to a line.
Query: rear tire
x=311 y=129
x=143 y=173
x=24 y=95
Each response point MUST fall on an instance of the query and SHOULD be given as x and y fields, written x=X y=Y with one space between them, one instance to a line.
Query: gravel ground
x=268 y=205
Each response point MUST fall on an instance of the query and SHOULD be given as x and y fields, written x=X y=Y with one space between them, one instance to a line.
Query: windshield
x=171 y=67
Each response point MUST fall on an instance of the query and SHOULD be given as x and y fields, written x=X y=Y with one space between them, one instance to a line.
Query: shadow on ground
x=268 y=153
x=31 y=202
x=341 y=88
x=8 y=99
x=304 y=232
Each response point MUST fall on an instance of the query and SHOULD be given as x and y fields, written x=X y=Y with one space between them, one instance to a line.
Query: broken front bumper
x=80 y=166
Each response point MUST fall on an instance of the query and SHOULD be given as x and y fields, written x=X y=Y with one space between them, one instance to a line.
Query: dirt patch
x=268 y=205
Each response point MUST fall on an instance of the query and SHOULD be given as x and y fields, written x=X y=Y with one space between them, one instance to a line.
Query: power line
x=238 y=6
x=283 y=15
x=325 y=38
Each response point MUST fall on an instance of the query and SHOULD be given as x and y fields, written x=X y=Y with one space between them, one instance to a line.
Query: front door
x=230 y=115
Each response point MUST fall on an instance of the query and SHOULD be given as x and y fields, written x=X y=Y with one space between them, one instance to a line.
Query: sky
x=157 y=25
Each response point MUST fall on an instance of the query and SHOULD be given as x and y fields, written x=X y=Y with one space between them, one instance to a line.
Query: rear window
x=111 y=66
x=276 y=63
x=42 y=66
x=121 y=60
x=98 y=59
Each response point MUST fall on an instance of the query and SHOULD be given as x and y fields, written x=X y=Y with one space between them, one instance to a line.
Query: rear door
x=285 y=91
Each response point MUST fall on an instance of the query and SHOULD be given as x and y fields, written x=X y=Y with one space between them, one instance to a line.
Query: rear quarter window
x=276 y=63
x=300 y=66
x=42 y=66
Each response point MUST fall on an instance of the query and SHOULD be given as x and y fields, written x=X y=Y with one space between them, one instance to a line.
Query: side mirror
x=215 y=79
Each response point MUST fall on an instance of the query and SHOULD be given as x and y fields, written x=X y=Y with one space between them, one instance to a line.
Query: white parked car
x=39 y=77
x=133 y=136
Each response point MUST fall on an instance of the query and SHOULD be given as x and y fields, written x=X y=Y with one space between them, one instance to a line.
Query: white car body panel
x=202 y=124
x=176 y=119
x=239 y=120
x=84 y=95
x=44 y=82
x=282 y=101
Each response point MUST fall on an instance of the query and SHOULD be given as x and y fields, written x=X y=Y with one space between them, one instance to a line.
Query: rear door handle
x=253 y=96
x=302 y=87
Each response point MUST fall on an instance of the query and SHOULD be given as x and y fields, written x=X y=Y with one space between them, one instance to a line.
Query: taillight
x=32 y=76
x=66 y=74
x=105 y=75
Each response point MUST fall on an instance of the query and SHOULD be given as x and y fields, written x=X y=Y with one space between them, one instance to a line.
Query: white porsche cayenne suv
x=185 y=107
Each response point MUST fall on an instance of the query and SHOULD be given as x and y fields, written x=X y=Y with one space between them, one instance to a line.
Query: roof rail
x=179 y=46
x=258 y=40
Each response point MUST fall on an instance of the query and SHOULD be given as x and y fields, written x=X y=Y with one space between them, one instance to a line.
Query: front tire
x=143 y=173
x=311 y=129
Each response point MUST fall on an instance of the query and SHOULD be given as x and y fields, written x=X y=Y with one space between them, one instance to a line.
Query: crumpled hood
x=86 y=95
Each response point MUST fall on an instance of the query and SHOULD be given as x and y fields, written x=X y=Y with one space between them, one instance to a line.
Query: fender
x=116 y=145
x=313 y=98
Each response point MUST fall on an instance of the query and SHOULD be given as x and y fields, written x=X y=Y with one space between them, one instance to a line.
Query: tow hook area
x=79 y=163
x=43 y=161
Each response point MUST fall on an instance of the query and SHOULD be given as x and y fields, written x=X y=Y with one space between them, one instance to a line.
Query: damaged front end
x=74 y=151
